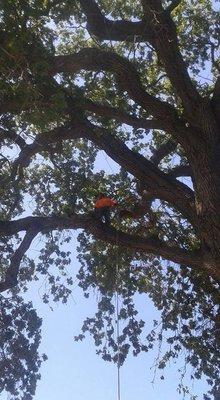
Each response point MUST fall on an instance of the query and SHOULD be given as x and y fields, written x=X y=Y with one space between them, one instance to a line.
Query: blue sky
x=74 y=371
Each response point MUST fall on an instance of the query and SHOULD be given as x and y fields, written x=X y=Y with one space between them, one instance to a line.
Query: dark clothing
x=103 y=213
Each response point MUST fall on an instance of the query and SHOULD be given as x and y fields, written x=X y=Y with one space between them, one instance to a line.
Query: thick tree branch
x=170 y=190
x=12 y=136
x=11 y=277
x=215 y=101
x=157 y=6
x=160 y=31
x=121 y=116
x=15 y=105
x=88 y=105
x=166 y=45
x=43 y=143
x=216 y=92
x=163 y=151
x=180 y=170
x=105 y=29
x=215 y=62
x=128 y=79
x=100 y=231
x=160 y=184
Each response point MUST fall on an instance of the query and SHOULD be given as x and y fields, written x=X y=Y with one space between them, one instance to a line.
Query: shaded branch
x=216 y=92
x=128 y=79
x=105 y=29
x=160 y=184
x=157 y=6
x=160 y=31
x=163 y=151
x=43 y=143
x=121 y=116
x=215 y=101
x=12 y=136
x=215 y=63
x=166 y=45
x=180 y=170
x=11 y=277
x=15 y=105
x=101 y=231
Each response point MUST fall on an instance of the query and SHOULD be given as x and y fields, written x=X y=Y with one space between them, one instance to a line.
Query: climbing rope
x=118 y=331
x=118 y=323
x=117 y=306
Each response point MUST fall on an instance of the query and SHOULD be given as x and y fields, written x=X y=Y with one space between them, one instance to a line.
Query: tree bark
x=205 y=165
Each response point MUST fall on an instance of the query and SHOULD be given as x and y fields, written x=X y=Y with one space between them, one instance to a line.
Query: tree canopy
x=137 y=82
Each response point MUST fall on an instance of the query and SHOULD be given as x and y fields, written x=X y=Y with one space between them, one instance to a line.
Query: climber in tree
x=103 y=206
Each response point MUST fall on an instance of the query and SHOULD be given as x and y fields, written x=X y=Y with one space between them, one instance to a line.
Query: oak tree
x=133 y=82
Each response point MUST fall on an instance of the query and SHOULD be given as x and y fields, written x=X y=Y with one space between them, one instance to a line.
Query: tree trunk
x=205 y=164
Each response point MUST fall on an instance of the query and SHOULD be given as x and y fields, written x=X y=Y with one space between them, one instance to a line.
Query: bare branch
x=11 y=277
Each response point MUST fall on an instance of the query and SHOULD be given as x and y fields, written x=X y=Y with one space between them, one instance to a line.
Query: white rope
x=118 y=327
x=117 y=309
x=118 y=350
